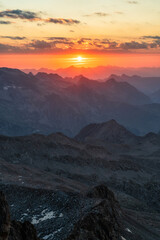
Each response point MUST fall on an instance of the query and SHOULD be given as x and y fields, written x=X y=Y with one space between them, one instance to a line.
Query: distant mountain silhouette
x=100 y=72
x=148 y=85
x=110 y=132
x=47 y=103
x=156 y=96
x=113 y=90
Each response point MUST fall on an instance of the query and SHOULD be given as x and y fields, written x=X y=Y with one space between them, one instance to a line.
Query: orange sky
x=58 y=61
x=52 y=34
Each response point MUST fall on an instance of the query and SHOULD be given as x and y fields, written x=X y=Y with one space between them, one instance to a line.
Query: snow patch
x=128 y=230
x=45 y=215
x=123 y=238
x=23 y=216
x=50 y=236
x=12 y=86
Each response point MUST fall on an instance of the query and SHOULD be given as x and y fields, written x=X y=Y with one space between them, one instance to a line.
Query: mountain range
x=147 y=85
x=50 y=181
x=100 y=72
x=46 y=103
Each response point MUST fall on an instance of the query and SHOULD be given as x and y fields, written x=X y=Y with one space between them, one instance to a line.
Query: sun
x=79 y=58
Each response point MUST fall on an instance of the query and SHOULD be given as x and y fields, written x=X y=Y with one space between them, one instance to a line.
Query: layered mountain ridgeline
x=14 y=230
x=110 y=132
x=57 y=215
x=46 y=181
x=100 y=72
x=107 y=152
x=46 y=103
x=147 y=85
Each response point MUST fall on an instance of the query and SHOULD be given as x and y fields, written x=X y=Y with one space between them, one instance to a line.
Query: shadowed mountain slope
x=110 y=132
x=48 y=103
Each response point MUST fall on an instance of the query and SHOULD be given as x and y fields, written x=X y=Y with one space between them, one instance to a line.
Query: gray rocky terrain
x=46 y=103
x=47 y=179
x=70 y=172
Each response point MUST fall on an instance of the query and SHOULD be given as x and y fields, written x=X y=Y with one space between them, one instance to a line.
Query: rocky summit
x=99 y=221
x=103 y=184
x=46 y=103
x=14 y=230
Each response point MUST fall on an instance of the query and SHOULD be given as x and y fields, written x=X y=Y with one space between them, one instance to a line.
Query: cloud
x=34 y=16
x=13 y=38
x=157 y=42
x=133 y=2
x=83 y=40
x=103 y=14
x=151 y=37
x=62 y=21
x=59 y=44
x=20 y=14
x=120 y=13
x=134 y=45
x=5 y=22
x=57 y=38
x=37 y=44
x=99 y=14
x=5 y=48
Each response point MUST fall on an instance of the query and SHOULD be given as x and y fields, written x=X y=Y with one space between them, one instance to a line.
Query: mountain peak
x=80 y=78
x=111 y=81
x=53 y=76
x=111 y=132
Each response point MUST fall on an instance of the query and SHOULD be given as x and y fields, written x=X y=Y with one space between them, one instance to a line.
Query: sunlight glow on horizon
x=79 y=33
x=64 y=61
x=79 y=59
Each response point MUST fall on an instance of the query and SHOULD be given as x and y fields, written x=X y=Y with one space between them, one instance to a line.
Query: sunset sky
x=88 y=33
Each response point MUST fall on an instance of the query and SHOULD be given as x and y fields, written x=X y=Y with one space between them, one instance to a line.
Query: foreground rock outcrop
x=14 y=230
x=59 y=215
x=4 y=218
x=22 y=231
x=102 y=221
x=102 y=191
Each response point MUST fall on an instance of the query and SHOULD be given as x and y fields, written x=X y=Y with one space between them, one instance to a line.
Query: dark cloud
x=153 y=45
x=5 y=48
x=58 y=38
x=112 y=45
x=157 y=42
x=134 y=45
x=58 y=44
x=20 y=14
x=83 y=40
x=63 y=21
x=37 y=44
x=44 y=45
x=5 y=22
x=105 y=44
x=61 y=40
x=13 y=38
x=151 y=37
x=34 y=16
